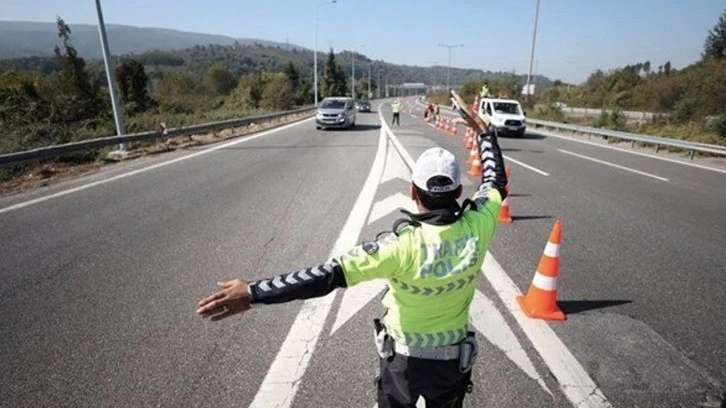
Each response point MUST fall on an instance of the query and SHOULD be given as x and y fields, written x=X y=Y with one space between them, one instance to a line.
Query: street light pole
x=378 y=84
x=369 y=81
x=433 y=74
x=448 y=69
x=110 y=75
x=315 y=52
x=531 y=56
x=353 y=75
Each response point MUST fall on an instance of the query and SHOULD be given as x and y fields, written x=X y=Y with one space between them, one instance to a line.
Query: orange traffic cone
x=473 y=155
x=475 y=169
x=541 y=299
x=453 y=129
x=504 y=215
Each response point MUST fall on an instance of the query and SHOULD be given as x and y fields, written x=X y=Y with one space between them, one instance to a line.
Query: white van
x=504 y=114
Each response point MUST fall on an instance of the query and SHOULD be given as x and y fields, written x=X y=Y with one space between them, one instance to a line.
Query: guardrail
x=658 y=141
x=67 y=148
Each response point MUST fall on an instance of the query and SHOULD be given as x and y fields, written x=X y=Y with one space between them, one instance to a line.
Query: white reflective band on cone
x=552 y=250
x=544 y=282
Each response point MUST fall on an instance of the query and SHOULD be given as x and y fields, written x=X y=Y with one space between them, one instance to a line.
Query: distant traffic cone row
x=541 y=299
x=504 y=213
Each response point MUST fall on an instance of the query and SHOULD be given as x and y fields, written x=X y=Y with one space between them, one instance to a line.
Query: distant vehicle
x=505 y=115
x=363 y=106
x=335 y=112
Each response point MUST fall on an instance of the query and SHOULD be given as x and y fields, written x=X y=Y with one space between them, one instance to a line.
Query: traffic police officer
x=431 y=262
x=396 y=108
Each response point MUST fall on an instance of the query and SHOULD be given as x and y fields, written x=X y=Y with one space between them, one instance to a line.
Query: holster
x=468 y=351
x=384 y=342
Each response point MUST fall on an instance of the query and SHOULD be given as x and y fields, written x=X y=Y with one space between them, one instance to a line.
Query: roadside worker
x=429 y=111
x=430 y=261
x=396 y=107
x=485 y=93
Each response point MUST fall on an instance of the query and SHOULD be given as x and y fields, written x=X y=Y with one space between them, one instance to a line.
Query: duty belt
x=450 y=352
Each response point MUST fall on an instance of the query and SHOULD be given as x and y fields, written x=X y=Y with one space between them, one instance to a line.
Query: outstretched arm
x=237 y=295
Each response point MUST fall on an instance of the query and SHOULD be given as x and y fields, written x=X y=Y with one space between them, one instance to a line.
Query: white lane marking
x=145 y=169
x=526 y=166
x=281 y=383
x=651 y=156
x=390 y=204
x=488 y=321
x=421 y=403
x=617 y=166
x=574 y=381
x=354 y=299
x=395 y=168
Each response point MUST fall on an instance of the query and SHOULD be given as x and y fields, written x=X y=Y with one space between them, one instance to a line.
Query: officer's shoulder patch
x=370 y=247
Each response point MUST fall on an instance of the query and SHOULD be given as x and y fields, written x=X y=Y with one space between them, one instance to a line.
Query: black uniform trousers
x=403 y=379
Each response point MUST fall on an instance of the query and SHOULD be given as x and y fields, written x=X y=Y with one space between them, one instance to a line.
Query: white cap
x=436 y=162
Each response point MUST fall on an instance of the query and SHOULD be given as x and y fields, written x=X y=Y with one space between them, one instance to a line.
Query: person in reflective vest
x=430 y=260
x=396 y=108
x=485 y=93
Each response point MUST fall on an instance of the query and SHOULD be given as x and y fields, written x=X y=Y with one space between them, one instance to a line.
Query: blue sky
x=574 y=37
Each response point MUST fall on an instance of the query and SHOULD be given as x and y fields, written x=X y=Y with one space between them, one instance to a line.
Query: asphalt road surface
x=100 y=275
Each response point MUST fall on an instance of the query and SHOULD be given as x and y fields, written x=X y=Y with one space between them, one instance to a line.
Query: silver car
x=335 y=112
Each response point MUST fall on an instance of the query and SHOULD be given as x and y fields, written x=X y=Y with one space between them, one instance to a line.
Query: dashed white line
x=527 y=166
x=617 y=166
x=651 y=156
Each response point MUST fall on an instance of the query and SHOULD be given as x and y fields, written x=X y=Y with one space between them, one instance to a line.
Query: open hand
x=234 y=298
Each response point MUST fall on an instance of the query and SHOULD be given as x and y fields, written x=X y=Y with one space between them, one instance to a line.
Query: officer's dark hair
x=437 y=201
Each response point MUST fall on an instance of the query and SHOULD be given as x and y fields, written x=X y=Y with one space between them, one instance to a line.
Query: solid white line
x=490 y=322
x=617 y=166
x=651 y=156
x=526 y=166
x=145 y=169
x=574 y=381
x=281 y=383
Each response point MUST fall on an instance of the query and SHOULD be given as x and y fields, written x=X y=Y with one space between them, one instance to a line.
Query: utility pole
x=110 y=74
x=378 y=84
x=353 y=75
x=531 y=56
x=369 y=81
x=448 y=69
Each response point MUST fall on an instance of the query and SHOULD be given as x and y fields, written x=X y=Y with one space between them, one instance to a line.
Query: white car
x=505 y=115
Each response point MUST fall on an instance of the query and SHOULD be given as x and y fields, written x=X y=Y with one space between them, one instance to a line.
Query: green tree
x=133 y=85
x=333 y=82
x=292 y=74
x=220 y=79
x=74 y=97
x=715 y=46
x=279 y=92
x=248 y=93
